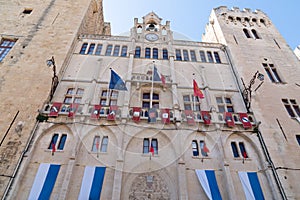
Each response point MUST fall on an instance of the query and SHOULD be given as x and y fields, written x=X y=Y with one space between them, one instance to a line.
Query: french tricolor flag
x=208 y=181
x=92 y=181
x=251 y=186
x=44 y=181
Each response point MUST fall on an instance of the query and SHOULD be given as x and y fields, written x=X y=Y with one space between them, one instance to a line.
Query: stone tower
x=32 y=32
x=255 y=45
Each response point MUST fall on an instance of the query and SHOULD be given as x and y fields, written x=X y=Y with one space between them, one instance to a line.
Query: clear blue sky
x=189 y=17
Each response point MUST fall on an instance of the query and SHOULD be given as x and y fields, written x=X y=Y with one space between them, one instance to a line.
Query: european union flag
x=116 y=83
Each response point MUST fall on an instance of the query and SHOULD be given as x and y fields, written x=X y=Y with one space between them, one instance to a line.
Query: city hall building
x=150 y=114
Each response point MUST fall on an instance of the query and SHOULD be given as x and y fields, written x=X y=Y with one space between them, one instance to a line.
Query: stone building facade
x=156 y=139
x=31 y=33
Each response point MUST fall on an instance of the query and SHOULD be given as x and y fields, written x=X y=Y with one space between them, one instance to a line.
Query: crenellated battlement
x=246 y=16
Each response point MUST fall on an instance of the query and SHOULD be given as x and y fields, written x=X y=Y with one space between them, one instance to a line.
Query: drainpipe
x=269 y=160
x=12 y=177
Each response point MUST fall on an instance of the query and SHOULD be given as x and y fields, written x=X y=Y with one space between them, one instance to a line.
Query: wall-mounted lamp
x=247 y=92
x=51 y=63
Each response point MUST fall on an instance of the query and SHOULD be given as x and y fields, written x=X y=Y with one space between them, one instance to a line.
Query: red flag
x=245 y=120
x=197 y=91
x=245 y=154
x=163 y=79
x=189 y=117
x=53 y=148
x=73 y=108
x=228 y=119
x=165 y=116
x=97 y=144
x=151 y=150
x=136 y=115
x=205 y=117
x=205 y=149
x=55 y=109
x=96 y=112
x=112 y=113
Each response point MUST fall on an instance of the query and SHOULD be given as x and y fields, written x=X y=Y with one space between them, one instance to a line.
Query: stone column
x=117 y=186
x=182 y=182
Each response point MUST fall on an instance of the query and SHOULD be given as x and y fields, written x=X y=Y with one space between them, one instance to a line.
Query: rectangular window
x=91 y=49
x=202 y=56
x=291 y=107
x=5 y=46
x=116 y=50
x=178 y=54
x=79 y=91
x=217 y=57
x=154 y=144
x=243 y=150
x=62 y=142
x=77 y=100
x=203 y=148
x=193 y=56
x=112 y=99
x=98 y=49
x=155 y=53
x=146 y=145
x=68 y=100
x=124 y=51
x=83 y=48
x=234 y=150
x=224 y=104
x=195 y=148
x=53 y=141
x=298 y=139
x=191 y=102
x=71 y=91
x=185 y=55
x=165 y=54
x=108 y=50
x=146 y=100
x=272 y=73
x=104 y=144
x=147 y=52
x=96 y=143
x=137 y=53
x=209 y=56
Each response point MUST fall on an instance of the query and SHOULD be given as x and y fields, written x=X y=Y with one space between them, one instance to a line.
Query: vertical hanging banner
x=152 y=115
x=92 y=183
x=251 y=186
x=245 y=120
x=206 y=117
x=112 y=113
x=72 y=110
x=44 y=181
x=208 y=181
x=189 y=117
x=96 y=112
x=165 y=116
x=54 y=109
x=229 y=119
x=136 y=114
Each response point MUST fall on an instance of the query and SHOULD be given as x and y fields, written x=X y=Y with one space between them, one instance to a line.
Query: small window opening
x=27 y=11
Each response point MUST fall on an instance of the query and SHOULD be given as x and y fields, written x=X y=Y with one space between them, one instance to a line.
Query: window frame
x=137 y=52
x=98 y=49
x=202 y=56
x=225 y=103
x=96 y=141
x=116 y=50
x=191 y=102
x=59 y=141
x=83 y=48
x=104 y=144
x=108 y=50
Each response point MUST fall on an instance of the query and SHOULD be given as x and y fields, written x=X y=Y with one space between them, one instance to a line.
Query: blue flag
x=116 y=83
x=156 y=76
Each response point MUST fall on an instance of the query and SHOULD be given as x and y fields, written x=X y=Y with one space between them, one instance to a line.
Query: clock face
x=151 y=37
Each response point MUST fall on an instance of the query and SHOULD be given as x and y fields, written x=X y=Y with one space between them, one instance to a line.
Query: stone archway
x=149 y=186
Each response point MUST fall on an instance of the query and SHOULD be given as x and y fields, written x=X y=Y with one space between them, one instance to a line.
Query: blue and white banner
x=208 y=181
x=251 y=185
x=92 y=181
x=44 y=181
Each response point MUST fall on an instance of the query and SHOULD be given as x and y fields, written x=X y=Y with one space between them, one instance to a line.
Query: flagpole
x=151 y=93
x=194 y=98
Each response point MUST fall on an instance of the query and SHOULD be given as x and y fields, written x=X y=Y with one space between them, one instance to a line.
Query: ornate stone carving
x=149 y=186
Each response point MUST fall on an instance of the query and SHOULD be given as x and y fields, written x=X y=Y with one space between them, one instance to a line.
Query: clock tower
x=151 y=30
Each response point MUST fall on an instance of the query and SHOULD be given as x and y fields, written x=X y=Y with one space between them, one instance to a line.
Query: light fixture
x=247 y=92
x=51 y=63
